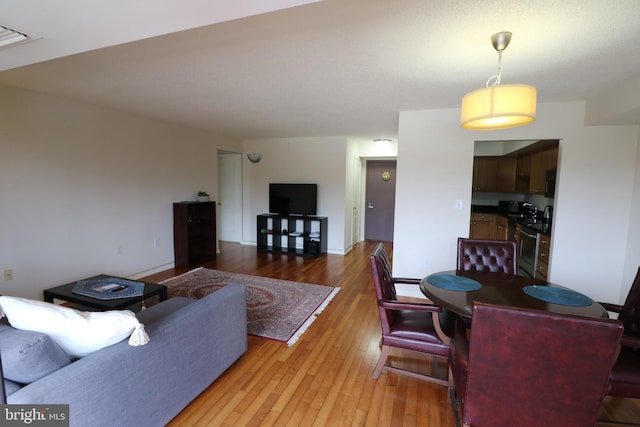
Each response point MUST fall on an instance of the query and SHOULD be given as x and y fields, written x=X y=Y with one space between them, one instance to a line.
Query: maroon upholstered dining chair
x=405 y=325
x=531 y=368
x=487 y=255
x=625 y=375
x=382 y=253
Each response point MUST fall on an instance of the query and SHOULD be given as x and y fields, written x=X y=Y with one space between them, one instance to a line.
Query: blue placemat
x=452 y=282
x=108 y=288
x=557 y=295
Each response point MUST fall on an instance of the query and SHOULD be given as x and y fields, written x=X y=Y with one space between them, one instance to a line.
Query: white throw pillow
x=77 y=332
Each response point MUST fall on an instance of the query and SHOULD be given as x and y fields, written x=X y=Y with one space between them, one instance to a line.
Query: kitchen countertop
x=485 y=209
x=537 y=227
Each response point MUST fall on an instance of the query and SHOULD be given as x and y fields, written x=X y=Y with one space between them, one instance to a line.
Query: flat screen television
x=293 y=199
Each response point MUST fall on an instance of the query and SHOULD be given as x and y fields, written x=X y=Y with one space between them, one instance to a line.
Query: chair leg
x=451 y=386
x=436 y=323
x=436 y=367
x=455 y=405
x=384 y=353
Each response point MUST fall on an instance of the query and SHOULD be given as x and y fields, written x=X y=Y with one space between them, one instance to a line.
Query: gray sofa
x=192 y=342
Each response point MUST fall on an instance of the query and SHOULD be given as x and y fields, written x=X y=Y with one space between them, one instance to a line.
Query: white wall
x=351 y=194
x=87 y=190
x=593 y=249
x=297 y=160
x=633 y=243
x=377 y=150
x=77 y=182
x=435 y=165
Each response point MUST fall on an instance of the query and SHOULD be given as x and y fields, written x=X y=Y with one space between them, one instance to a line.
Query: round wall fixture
x=254 y=157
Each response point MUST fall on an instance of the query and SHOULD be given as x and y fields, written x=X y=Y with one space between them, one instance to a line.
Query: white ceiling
x=332 y=67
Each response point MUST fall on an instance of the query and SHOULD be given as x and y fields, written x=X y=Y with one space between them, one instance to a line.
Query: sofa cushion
x=77 y=332
x=11 y=387
x=28 y=356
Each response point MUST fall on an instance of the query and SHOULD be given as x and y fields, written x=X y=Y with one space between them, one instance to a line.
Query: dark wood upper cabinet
x=523 y=171
x=507 y=167
x=541 y=162
x=485 y=173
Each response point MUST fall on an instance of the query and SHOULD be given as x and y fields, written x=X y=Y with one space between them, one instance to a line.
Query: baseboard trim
x=151 y=271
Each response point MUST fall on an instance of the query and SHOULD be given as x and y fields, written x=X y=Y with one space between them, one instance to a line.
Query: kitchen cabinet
x=507 y=167
x=485 y=173
x=483 y=226
x=523 y=171
x=514 y=232
x=490 y=226
x=502 y=228
x=544 y=251
x=541 y=162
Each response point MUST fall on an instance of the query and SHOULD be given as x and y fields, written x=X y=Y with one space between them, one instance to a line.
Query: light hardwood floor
x=325 y=378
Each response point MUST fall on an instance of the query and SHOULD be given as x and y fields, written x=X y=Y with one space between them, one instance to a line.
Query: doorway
x=380 y=198
x=356 y=201
x=230 y=197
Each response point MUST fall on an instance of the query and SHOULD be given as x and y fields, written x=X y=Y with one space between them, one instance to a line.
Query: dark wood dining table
x=501 y=289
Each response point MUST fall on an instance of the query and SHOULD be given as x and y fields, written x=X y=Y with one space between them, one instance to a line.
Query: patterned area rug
x=278 y=309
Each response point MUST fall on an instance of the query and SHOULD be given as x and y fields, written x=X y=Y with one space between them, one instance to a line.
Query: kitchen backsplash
x=492 y=199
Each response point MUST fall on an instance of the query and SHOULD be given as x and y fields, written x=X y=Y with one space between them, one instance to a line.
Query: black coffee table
x=65 y=293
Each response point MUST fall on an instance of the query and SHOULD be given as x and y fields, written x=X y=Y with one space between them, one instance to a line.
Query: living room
x=88 y=188
x=87 y=183
x=96 y=187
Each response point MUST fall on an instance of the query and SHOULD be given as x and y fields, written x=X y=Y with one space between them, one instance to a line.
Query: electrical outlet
x=8 y=274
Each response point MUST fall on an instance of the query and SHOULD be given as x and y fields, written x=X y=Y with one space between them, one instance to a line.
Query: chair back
x=487 y=255
x=381 y=271
x=383 y=284
x=536 y=368
x=630 y=313
x=625 y=375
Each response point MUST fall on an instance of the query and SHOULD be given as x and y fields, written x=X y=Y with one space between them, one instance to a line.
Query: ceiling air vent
x=9 y=37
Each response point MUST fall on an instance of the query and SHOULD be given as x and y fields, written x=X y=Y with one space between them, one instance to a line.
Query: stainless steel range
x=530 y=223
x=527 y=252
x=528 y=238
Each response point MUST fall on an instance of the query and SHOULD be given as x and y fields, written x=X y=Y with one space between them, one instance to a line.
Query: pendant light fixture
x=499 y=106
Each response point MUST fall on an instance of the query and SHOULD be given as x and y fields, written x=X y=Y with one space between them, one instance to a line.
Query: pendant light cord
x=496 y=79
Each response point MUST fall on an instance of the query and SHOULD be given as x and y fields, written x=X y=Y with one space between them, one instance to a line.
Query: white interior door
x=356 y=200
x=230 y=197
